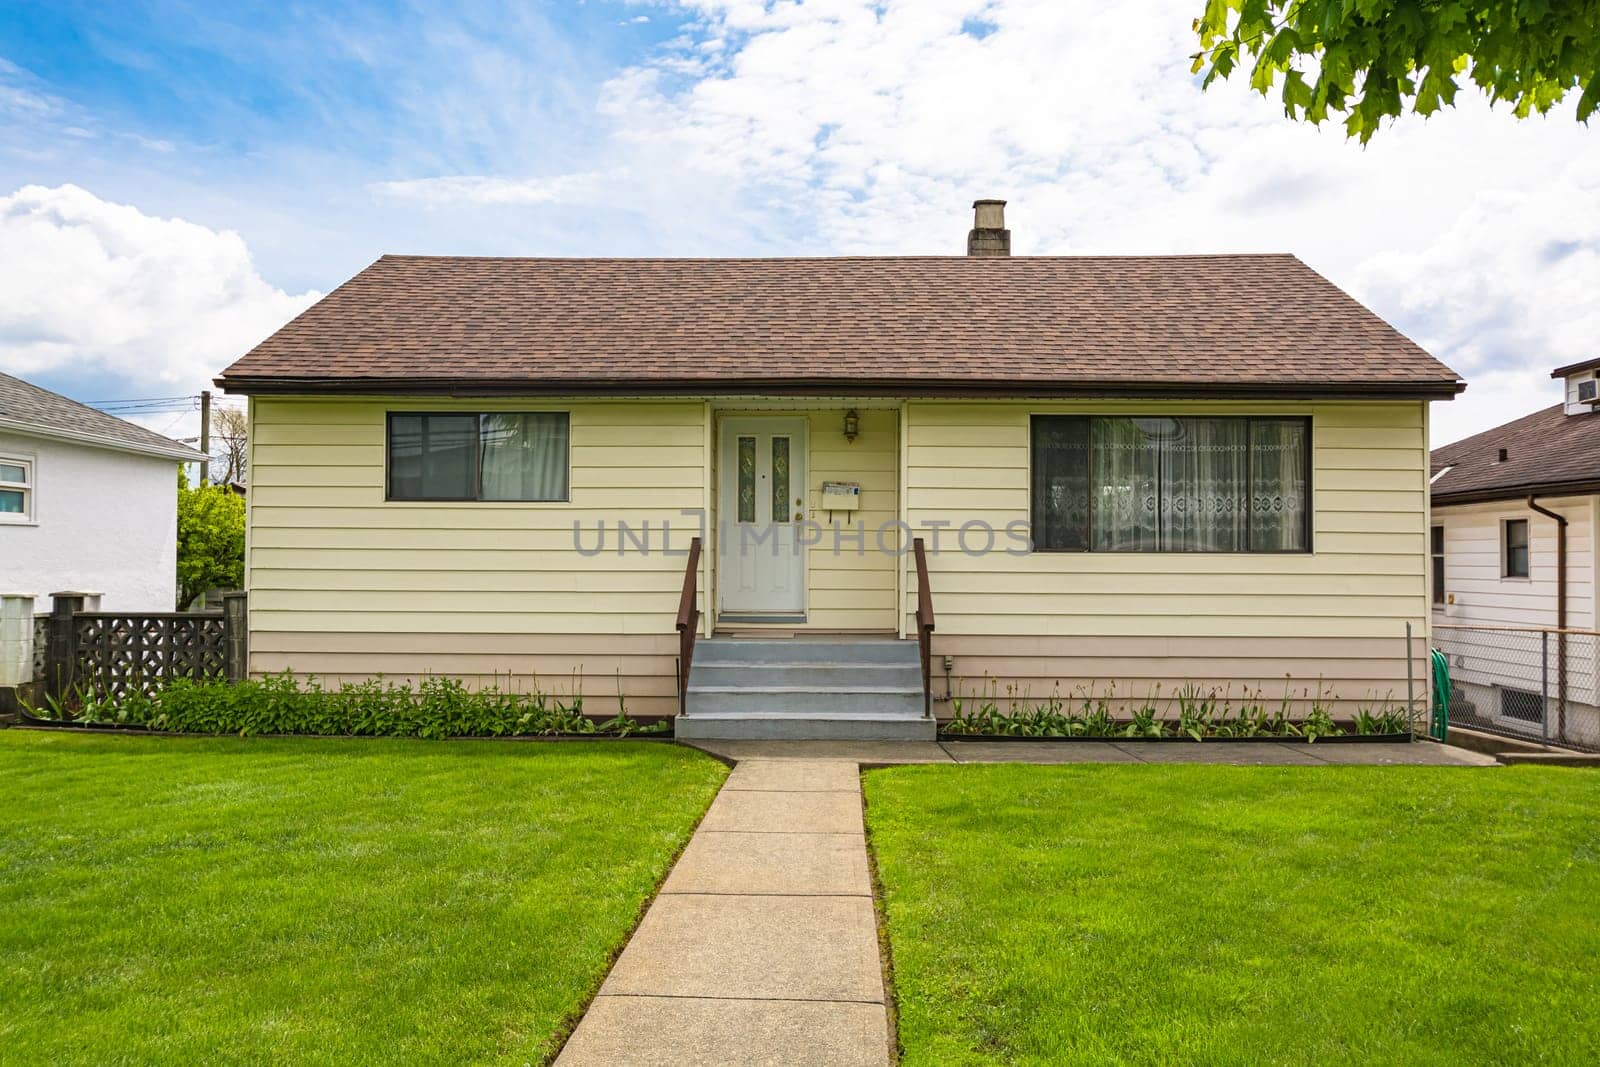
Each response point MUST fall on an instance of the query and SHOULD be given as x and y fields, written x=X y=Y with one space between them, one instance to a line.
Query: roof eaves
x=178 y=452
x=1515 y=492
x=716 y=386
x=1574 y=368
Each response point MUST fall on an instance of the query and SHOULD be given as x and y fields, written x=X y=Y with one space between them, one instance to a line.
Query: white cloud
x=95 y=288
x=485 y=189
x=824 y=127
x=869 y=127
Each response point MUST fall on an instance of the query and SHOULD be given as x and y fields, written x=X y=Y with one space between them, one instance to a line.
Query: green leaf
x=1406 y=54
x=1590 y=100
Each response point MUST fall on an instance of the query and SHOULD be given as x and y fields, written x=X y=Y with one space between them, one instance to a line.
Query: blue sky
x=178 y=179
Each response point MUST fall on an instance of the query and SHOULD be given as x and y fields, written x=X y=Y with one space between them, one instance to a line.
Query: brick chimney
x=989 y=236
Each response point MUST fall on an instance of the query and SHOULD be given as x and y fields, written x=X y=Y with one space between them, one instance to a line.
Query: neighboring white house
x=88 y=502
x=1515 y=517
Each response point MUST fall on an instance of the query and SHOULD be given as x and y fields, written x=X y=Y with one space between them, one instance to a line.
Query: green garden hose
x=1441 y=696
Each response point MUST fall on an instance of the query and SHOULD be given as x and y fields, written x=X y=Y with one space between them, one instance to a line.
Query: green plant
x=210 y=540
x=1196 y=711
x=1319 y=720
x=435 y=707
x=1145 y=722
x=1373 y=60
x=1385 y=718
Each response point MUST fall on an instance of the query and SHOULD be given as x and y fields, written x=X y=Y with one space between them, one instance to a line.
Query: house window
x=16 y=489
x=1516 y=548
x=1171 y=484
x=498 y=455
x=1523 y=705
x=1436 y=547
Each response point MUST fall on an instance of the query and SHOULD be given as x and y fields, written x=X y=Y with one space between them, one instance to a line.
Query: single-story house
x=88 y=502
x=1124 y=471
x=1516 y=514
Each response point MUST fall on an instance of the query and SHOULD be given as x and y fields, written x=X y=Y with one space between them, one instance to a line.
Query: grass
x=189 y=900
x=1241 y=915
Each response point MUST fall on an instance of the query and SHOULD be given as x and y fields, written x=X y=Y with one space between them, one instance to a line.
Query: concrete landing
x=762 y=946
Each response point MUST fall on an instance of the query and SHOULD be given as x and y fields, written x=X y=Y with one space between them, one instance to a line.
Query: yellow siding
x=331 y=561
x=1365 y=578
x=346 y=583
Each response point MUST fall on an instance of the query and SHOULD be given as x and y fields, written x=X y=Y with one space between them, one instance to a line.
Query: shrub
x=1200 y=713
x=438 y=707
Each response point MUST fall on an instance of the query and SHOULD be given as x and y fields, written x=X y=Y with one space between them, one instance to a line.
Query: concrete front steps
x=801 y=689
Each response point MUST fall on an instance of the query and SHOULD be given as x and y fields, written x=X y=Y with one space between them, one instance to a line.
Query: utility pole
x=205 y=436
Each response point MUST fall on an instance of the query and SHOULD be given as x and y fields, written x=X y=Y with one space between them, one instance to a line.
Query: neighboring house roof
x=1242 y=325
x=26 y=408
x=1574 y=368
x=1546 y=452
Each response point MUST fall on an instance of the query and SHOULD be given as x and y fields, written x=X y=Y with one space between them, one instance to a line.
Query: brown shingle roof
x=1179 y=324
x=26 y=408
x=1546 y=452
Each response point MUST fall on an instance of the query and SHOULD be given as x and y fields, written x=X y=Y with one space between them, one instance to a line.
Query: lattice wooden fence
x=114 y=654
x=119 y=654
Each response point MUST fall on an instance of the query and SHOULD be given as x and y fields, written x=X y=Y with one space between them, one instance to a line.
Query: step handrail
x=688 y=622
x=924 y=624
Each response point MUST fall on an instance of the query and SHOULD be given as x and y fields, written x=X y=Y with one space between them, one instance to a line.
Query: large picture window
x=497 y=455
x=1114 y=483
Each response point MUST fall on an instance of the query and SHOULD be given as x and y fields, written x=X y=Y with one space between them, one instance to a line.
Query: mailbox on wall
x=841 y=496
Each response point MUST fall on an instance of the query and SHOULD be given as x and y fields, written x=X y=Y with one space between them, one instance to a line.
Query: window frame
x=1310 y=517
x=1506 y=546
x=1436 y=563
x=28 y=487
x=477 y=457
x=1526 y=696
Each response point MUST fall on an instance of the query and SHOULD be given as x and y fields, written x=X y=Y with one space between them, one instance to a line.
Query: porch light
x=852 y=425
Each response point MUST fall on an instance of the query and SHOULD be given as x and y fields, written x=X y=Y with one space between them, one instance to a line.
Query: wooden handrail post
x=924 y=624
x=688 y=622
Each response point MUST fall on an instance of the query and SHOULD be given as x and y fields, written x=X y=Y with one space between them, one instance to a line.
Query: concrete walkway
x=763 y=945
x=1241 y=753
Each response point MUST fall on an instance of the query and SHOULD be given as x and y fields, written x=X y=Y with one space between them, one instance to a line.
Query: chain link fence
x=1524 y=682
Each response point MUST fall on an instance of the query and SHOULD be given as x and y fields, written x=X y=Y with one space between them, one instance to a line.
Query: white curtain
x=1278 y=492
x=524 y=456
x=1126 y=465
x=1205 y=468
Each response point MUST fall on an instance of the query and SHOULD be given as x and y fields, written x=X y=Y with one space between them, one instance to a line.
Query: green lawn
x=187 y=900
x=1241 y=914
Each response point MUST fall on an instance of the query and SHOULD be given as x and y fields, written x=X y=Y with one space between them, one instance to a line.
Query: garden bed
x=1190 y=714
x=284 y=705
x=1321 y=739
x=648 y=730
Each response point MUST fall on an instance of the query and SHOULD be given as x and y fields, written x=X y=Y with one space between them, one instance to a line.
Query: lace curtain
x=1279 y=495
x=1170 y=484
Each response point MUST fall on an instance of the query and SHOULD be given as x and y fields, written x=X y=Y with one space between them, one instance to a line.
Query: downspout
x=1561 y=613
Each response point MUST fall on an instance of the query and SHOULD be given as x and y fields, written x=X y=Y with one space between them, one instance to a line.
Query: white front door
x=760 y=504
